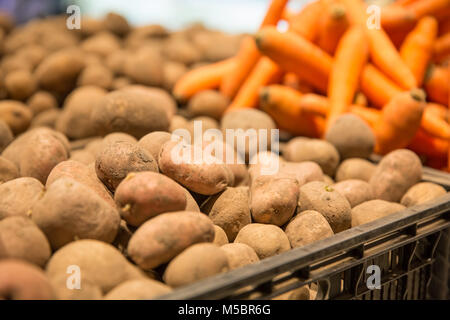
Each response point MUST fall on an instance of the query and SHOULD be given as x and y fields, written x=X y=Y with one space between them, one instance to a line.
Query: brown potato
x=82 y=156
x=101 y=44
x=87 y=290
x=6 y=135
x=118 y=159
x=307 y=227
x=172 y=72
x=145 y=66
x=116 y=61
x=395 y=174
x=41 y=101
x=21 y=239
x=328 y=180
x=220 y=237
x=117 y=24
x=20 y=84
x=20 y=280
x=119 y=83
x=181 y=50
x=178 y=122
x=16 y=115
x=162 y=238
x=422 y=192
x=355 y=168
x=18 y=196
x=140 y=289
x=152 y=142
x=144 y=195
x=46 y=118
x=8 y=170
x=199 y=261
x=239 y=255
x=191 y=204
x=266 y=239
x=96 y=75
x=229 y=210
x=372 y=210
x=118 y=137
x=318 y=196
x=355 y=191
x=210 y=103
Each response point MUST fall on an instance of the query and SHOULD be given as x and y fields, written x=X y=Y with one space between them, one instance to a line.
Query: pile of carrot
x=336 y=57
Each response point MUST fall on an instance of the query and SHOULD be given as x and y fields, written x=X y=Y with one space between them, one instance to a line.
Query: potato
x=199 y=261
x=191 y=204
x=20 y=280
x=239 y=255
x=41 y=101
x=355 y=168
x=220 y=237
x=83 y=174
x=21 y=239
x=20 y=84
x=267 y=240
x=422 y=192
x=203 y=123
x=171 y=73
x=162 y=238
x=116 y=61
x=16 y=115
x=118 y=159
x=46 y=118
x=123 y=236
x=119 y=83
x=229 y=210
x=204 y=178
x=331 y=204
x=328 y=180
x=58 y=72
x=8 y=170
x=87 y=290
x=96 y=75
x=273 y=199
x=101 y=44
x=75 y=121
x=145 y=66
x=100 y=264
x=118 y=137
x=210 y=103
x=265 y=163
x=32 y=53
x=355 y=191
x=178 y=122
x=131 y=112
x=82 y=156
x=372 y=210
x=319 y=151
x=152 y=142
x=6 y=135
x=69 y=211
x=395 y=174
x=140 y=289
x=307 y=227
x=117 y=24
x=144 y=195
x=18 y=196
x=181 y=50
x=351 y=136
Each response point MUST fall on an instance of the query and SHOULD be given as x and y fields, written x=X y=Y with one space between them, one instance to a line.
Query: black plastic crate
x=410 y=247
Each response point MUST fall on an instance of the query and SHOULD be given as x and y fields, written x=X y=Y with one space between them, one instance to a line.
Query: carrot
x=315 y=103
x=417 y=49
x=424 y=8
x=436 y=84
x=360 y=99
x=248 y=54
x=442 y=47
x=264 y=73
x=332 y=27
x=439 y=110
x=291 y=80
x=346 y=71
x=444 y=27
x=397 y=18
x=403 y=2
x=399 y=121
x=378 y=89
x=370 y=115
x=295 y=54
x=304 y=23
x=435 y=125
x=287 y=14
x=424 y=143
x=202 y=78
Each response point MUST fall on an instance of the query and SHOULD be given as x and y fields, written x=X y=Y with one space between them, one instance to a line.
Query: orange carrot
x=264 y=73
x=346 y=71
x=434 y=124
x=444 y=27
x=396 y=18
x=291 y=80
x=442 y=47
x=294 y=53
x=315 y=103
x=436 y=84
x=202 y=78
x=287 y=14
x=304 y=23
x=360 y=99
x=425 y=144
x=424 y=8
x=378 y=89
x=370 y=115
x=274 y=12
x=399 y=121
x=417 y=49
x=332 y=27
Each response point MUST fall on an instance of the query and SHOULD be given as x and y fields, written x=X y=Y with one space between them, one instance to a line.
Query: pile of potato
x=87 y=181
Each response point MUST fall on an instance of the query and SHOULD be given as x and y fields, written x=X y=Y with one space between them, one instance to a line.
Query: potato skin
x=16 y=115
x=395 y=174
x=355 y=191
x=145 y=66
x=20 y=84
x=139 y=289
x=266 y=239
x=160 y=239
x=199 y=261
x=6 y=135
x=118 y=159
x=20 y=280
x=41 y=101
x=100 y=264
x=273 y=199
x=307 y=227
x=239 y=255
x=21 y=239
x=143 y=195
x=18 y=196
x=191 y=204
x=153 y=141
x=220 y=237
x=68 y=210
x=8 y=170
x=304 y=172
x=422 y=192
x=355 y=168
x=229 y=210
x=88 y=290
x=372 y=210
x=331 y=204
x=210 y=103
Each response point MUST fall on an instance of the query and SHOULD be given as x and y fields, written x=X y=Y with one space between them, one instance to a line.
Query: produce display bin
x=410 y=247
